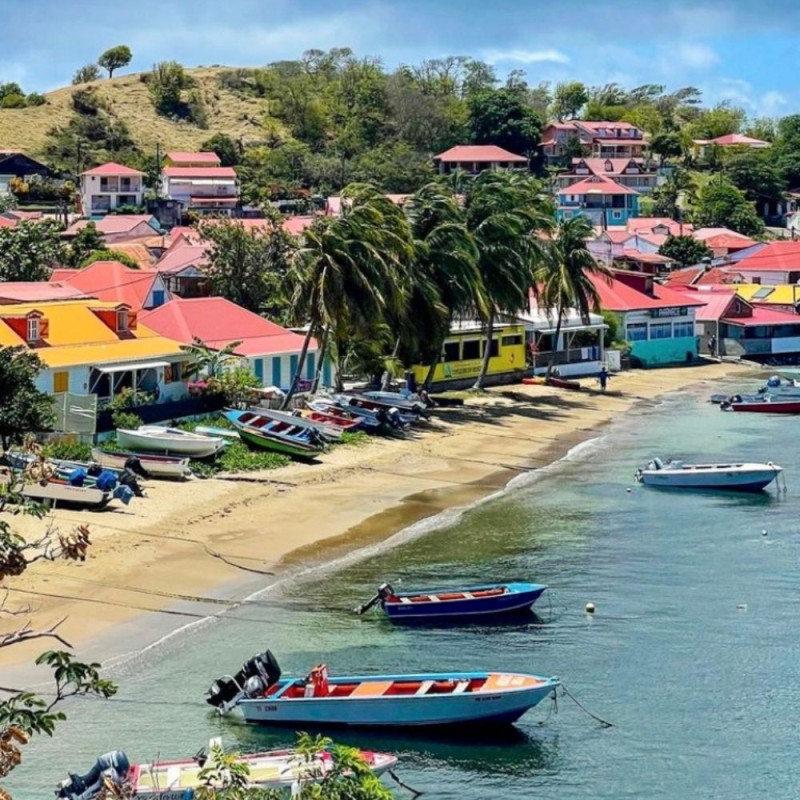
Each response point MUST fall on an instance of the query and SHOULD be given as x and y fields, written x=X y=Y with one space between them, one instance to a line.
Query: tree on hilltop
x=115 y=58
x=86 y=74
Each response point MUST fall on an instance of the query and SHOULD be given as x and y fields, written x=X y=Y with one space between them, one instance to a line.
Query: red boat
x=764 y=405
x=346 y=423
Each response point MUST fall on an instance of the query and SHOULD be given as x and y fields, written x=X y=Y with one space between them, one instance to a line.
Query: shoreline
x=179 y=542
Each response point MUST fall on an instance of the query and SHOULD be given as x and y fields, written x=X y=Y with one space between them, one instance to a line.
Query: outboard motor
x=253 y=679
x=134 y=464
x=384 y=590
x=129 y=479
x=113 y=766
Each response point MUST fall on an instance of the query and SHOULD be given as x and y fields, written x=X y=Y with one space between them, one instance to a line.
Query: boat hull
x=746 y=482
x=276 y=445
x=776 y=407
x=519 y=599
x=155 y=466
x=500 y=707
x=195 y=447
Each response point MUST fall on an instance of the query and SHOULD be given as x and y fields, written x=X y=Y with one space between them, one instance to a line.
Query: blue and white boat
x=461 y=604
x=394 y=701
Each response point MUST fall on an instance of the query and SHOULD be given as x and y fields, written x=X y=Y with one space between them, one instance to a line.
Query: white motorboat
x=149 y=465
x=160 y=439
x=741 y=477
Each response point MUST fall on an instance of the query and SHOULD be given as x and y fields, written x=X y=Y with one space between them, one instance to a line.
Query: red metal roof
x=7 y=223
x=618 y=296
x=218 y=322
x=34 y=292
x=184 y=157
x=599 y=184
x=112 y=169
x=111 y=282
x=702 y=276
x=178 y=258
x=764 y=316
x=715 y=304
x=646 y=258
x=199 y=172
x=478 y=152
x=115 y=223
x=773 y=257
x=737 y=138
x=622 y=140
x=296 y=225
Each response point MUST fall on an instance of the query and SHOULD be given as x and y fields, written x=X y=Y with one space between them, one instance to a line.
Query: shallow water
x=692 y=653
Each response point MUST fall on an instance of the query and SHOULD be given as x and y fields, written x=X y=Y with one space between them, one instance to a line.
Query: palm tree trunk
x=487 y=354
x=299 y=371
x=321 y=355
x=387 y=373
x=555 y=344
x=431 y=372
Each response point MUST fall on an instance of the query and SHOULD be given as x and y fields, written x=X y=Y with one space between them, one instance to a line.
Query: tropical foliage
x=23 y=408
x=29 y=250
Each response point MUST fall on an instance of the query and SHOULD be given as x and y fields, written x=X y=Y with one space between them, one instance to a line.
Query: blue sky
x=731 y=50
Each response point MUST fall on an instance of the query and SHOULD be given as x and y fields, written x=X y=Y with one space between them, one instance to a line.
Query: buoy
x=628 y=490
x=589 y=608
x=764 y=532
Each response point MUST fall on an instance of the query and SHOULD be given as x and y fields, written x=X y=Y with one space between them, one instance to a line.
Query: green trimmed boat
x=280 y=436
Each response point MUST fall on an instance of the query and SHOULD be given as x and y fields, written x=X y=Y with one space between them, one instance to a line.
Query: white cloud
x=695 y=55
x=526 y=56
x=771 y=103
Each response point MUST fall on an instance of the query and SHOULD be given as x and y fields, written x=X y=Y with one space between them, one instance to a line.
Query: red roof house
x=474 y=158
x=183 y=158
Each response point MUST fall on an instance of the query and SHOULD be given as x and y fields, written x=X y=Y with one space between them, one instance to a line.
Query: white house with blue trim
x=271 y=351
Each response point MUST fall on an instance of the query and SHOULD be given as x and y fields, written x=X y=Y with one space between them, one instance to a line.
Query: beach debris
x=589 y=608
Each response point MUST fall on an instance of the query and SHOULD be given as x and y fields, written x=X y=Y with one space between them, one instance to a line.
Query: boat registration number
x=266 y=708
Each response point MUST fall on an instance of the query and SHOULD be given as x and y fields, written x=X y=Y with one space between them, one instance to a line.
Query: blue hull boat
x=460 y=604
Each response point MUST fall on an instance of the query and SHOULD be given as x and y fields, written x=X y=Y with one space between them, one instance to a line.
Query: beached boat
x=57 y=492
x=430 y=699
x=383 y=412
x=160 y=439
x=732 y=477
x=371 y=421
x=764 y=404
x=409 y=406
x=212 y=430
x=327 y=430
x=341 y=420
x=259 y=430
x=455 y=604
x=179 y=780
x=148 y=465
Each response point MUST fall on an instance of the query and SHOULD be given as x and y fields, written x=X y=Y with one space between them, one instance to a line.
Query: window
x=122 y=320
x=472 y=349
x=681 y=329
x=451 y=351
x=512 y=340
x=494 y=349
x=660 y=330
x=158 y=298
x=33 y=329
x=60 y=382
x=636 y=332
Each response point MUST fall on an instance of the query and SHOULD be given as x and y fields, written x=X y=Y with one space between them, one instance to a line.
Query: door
x=310 y=366
x=276 y=371
x=258 y=368
x=60 y=382
x=293 y=362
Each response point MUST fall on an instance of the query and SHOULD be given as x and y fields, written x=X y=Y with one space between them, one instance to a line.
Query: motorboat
x=741 y=477
x=342 y=420
x=262 y=695
x=408 y=405
x=148 y=465
x=762 y=404
x=161 y=439
x=461 y=604
x=178 y=780
x=259 y=429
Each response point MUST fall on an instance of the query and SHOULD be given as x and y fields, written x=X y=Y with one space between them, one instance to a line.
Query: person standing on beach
x=603 y=378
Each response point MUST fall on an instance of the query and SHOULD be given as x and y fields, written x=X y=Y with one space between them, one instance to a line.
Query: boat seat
x=469 y=596
x=424 y=686
x=461 y=687
x=405 y=600
x=173 y=777
x=371 y=688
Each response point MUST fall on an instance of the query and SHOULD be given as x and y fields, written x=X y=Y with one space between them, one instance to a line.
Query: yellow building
x=781 y=296
x=93 y=347
x=462 y=355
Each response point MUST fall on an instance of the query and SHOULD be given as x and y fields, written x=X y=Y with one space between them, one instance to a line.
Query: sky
x=733 y=51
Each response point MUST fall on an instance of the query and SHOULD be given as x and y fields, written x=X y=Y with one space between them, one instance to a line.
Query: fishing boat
x=326 y=430
x=341 y=420
x=57 y=492
x=179 y=780
x=396 y=701
x=455 y=604
x=159 y=438
x=259 y=430
x=384 y=412
x=408 y=406
x=212 y=430
x=371 y=421
x=765 y=404
x=148 y=465
x=740 y=477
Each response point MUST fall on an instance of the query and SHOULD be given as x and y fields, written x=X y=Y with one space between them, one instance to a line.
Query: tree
x=505 y=214
x=569 y=99
x=350 y=272
x=721 y=204
x=29 y=250
x=500 y=117
x=756 y=174
x=667 y=144
x=165 y=85
x=108 y=255
x=23 y=408
x=83 y=245
x=685 y=251
x=394 y=167
x=86 y=74
x=210 y=362
x=714 y=122
x=249 y=266
x=564 y=277
x=224 y=146
x=115 y=58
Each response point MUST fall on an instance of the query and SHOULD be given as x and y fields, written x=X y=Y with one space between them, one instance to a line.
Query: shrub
x=35 y=99
x=86 y=101
x=13 y=101
x=86 y=74
x=129 y=398
x=235 y=385
x=126 y=419
x=67 y=449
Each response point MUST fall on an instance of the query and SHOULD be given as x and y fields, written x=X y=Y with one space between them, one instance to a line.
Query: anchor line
x=603 y=722
x=414 y=792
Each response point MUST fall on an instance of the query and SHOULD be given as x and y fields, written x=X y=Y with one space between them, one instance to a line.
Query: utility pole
x=158 y=170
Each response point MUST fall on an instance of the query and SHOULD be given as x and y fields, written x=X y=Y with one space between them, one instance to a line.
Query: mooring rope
x=603 y=722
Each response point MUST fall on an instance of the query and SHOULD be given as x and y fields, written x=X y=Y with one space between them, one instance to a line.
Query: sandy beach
x=159 y=563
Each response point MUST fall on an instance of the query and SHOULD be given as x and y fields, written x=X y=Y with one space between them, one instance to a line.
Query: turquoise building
x=604 y=201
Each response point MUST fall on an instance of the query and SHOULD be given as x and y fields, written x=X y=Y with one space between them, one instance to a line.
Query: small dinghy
x=455 y=604
x=148 y=465
x=179 y=780
x=732 y=477
x=392 y=701
x=161 y=439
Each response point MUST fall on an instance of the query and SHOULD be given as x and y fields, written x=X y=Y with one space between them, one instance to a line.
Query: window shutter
x=44 y=328
x=132 y=317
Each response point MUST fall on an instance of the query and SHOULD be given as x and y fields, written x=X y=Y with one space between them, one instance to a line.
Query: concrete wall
x=664 y=351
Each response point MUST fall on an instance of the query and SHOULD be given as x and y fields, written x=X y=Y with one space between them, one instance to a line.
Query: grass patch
x=214 y=421
x=67 y=450
x=354 y=438
x=238 y=457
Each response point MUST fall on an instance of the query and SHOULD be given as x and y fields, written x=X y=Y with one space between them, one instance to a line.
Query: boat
x=327 y=430
x=148 y=465
x=455 y=604
x=393 y=701
x=740 y=477
x=340 y=420
x=211 y=430
x=764 y=404
x=413 y=408
x=57 y=492
x=159 y=438
x=781 y=387
x=179 y=780
x=383 y=412
x=259 y=430
x=371 y=421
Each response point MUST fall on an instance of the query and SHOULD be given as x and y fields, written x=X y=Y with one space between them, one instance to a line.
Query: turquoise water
x=693 y=653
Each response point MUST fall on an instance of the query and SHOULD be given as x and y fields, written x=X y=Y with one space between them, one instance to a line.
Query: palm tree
x=351 y=271
x=447 y=282
x=208 y=361
x=564 y=277
x=506 y=214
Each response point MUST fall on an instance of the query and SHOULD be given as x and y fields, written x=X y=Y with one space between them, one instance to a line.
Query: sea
x=692 y=654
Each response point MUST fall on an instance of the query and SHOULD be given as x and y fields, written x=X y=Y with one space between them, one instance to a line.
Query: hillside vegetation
x=127 y=99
